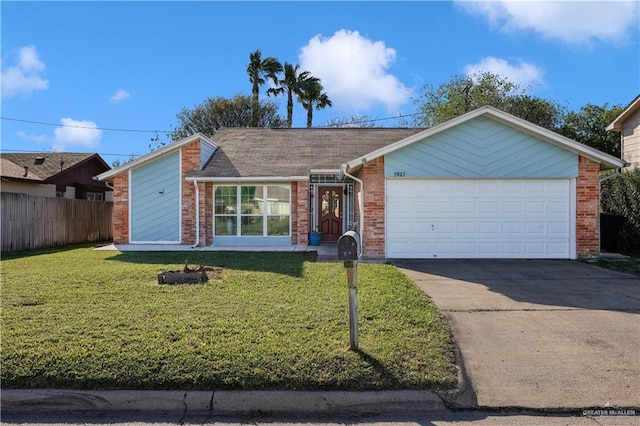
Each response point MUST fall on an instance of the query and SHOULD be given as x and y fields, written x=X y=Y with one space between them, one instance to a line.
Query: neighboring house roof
x=42 y=167
x=628 y=112
x=154 y=154
x=606 y=161
x=264 y=152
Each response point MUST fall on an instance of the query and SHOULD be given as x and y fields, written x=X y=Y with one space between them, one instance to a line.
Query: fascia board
x=154 y=154
x=324 y=171
x=616 y=125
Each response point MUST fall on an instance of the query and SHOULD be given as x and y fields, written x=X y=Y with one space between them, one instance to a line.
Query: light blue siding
x=155 y=200
x=481 y=148
x=206 y=151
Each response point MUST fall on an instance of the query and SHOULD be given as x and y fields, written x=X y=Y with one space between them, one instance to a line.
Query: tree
x=355 y=121
x=461 y=95
x=312 y=96
x=588 y=126
x=544 y=113
x=117 y=162
x=291 y=84
x=214 y=113
x=259 y=71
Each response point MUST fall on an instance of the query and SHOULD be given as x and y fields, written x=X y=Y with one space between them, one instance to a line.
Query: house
x=483 y=185
x=54 y=174
x=628 y=124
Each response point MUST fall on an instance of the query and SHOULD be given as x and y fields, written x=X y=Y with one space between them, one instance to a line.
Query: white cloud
x=354 y=71
x=76 y=134
x=120 y=95
x=522 y=73
x=572 y=22
x=31 y=137
x=23 y=78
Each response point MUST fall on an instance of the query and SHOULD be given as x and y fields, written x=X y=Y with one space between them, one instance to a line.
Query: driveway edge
x=462 y=397
x=221 y=402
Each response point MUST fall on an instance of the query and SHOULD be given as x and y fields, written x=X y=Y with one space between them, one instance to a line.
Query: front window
x=252 y=210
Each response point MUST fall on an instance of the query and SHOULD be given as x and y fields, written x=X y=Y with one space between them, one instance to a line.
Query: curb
x=221 y=402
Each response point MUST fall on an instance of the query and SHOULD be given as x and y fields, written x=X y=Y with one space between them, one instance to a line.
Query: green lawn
x=630 y=266
x=84 y=319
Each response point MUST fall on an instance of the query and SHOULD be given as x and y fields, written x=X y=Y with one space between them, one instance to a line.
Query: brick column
x=120 y=214
x=190 y=162
x=588 y=208
x=374 y=198
x=208 y=213
x=300 y=212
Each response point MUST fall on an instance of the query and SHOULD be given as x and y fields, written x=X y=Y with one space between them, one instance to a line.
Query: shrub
x=621 y=195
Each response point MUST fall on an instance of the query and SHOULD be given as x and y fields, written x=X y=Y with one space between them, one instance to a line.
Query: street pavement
x=540 y=334
x=439 y=418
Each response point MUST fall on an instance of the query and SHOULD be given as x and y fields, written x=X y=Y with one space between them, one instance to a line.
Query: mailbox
x=348 y=246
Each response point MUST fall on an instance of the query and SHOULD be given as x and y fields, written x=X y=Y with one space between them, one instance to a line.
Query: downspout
x=616 y=173
x=197 y=243
x=360 y=207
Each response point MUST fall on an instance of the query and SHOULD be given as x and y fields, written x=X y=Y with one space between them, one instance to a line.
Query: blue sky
x=86 y=67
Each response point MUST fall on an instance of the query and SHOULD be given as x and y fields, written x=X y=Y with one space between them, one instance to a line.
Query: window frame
x=241 y=216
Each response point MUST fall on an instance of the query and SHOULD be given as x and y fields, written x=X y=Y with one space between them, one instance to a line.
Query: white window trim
x=265 y=215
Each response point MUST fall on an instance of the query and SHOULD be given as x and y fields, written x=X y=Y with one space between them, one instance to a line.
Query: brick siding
x=588 y=209
x=374 y=199
x=207 y=218
x=300 y=212
x=190 y=161
x=121 y=209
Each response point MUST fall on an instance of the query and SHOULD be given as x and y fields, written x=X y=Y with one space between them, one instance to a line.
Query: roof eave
x=616 y=125
x=108 y=175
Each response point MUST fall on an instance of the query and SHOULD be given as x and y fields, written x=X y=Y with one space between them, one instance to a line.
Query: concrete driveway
x=540 y=333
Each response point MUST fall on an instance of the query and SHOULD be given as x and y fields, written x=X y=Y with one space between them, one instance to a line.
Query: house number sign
x=398 y=174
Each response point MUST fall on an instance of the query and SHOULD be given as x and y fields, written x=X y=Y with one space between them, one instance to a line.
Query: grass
x=630 y=266
x=86 y=319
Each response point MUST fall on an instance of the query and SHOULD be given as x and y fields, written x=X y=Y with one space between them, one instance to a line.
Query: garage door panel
x=489 y=228
x=478 y=218
x=558 y=228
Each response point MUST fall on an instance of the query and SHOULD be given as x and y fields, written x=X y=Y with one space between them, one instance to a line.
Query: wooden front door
x=330 y=212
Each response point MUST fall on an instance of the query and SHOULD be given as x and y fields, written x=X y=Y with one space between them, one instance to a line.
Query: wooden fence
x=31 y=222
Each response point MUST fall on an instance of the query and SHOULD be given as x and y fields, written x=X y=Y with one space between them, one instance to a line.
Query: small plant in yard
x=87 y=319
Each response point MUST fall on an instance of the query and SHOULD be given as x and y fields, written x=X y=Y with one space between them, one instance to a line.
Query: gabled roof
x=42 y=166
x=606 y=161
x=154 y=154
x=292 y=152
x=628 y=112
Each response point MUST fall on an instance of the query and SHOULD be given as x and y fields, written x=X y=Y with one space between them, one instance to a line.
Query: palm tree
x=259 y=70
x=311 y=96
x=291 y=84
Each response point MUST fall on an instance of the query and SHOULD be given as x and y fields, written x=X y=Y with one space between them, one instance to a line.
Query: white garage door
x=465 y=219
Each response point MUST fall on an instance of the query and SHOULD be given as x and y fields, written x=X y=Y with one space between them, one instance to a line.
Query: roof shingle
x=262 y=152
x=42 y=165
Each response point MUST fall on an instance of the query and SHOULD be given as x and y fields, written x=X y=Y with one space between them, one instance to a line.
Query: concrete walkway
x=540 y=333
x=325 y=251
